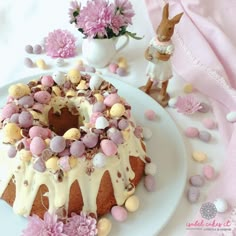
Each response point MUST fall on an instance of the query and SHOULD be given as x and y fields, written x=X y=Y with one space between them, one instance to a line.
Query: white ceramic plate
x=166 y=149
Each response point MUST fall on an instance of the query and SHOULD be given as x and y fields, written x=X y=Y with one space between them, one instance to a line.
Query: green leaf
x=133 y=35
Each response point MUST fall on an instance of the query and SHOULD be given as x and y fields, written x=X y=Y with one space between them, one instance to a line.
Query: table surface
x=28 y=22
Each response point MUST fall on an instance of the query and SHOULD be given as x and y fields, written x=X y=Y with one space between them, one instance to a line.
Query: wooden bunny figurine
x=158 y=53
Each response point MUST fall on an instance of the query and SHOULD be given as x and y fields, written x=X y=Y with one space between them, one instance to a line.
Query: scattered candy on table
x=150 y=114
x=231 y=116
x=221 y=205
x=119 y=68
x=41 y=64
x=28 y=62
x=204 y=136
x=119 y=213
x=150 y=183
x=37 y=49
x=191 y=132
x=209 y=123
x=196 y=180
x=209 y=172
x=193 y=194
x=199 y=156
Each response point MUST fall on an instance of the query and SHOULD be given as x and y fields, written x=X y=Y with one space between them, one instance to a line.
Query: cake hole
x=63 y=121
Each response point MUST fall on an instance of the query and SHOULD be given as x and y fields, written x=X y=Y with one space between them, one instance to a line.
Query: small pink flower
x=81 y=225
x=187 y=104
x=60 y=43
x=49 y=226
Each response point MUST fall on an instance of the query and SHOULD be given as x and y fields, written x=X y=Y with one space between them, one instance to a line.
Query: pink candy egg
x=119 y=213
x=43 y=97
x=37 y=131
x=37 y=145
x=25 y=119
x=113 y=67
x=8 y=110
x=111 y=99
x=209 y=172
x=64 y=163
x=209 y=123
x=191 y=132
x=150 y=114
x=150 y=183
x=38 y=107
x=108 y=147
x=47 y=80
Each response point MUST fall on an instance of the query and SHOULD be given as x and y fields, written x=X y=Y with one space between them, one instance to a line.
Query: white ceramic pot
x=100 y=52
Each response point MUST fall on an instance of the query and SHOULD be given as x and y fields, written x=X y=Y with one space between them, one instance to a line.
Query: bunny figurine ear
x=177 y=18
x=165 y=13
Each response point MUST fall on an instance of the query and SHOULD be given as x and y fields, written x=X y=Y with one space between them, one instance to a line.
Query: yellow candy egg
x=188 y=88
x=18 y=90
x=12 y=133
x=82 y=85
x=117 y=110
x=40 y=63
x=74 y=76
x=52 y=163
x=99 y=97
x=25 y=155
x=72 y=134
x=104 y=227
x=73 y=161
x=132 y=203
x=122 y=59
x=123 y=64
x=199 y=156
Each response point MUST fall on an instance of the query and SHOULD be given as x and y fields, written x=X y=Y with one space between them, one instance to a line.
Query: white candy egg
x=99 y=160
x=147 y=133
x=101 y=123
x=221 y=205
x=172 y=102
x=59 y=77
x=231 y=116
x=95 y=82
x=150 y=169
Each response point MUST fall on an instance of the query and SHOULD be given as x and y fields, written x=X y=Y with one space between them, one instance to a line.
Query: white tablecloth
x=28 y=22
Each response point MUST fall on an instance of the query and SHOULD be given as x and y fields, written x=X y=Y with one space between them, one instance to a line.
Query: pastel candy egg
x=108 y=147
x=77 y=148
x=25 y=119
x=98 y=107
x=29 y=49
x=150 y=114
x=74 y=76
x=73 y=161
x=188 y=88
x=147 y=133
x=113 y=67
x=115 y=135
x=90 y=140
x=191 y=132
x=37 y=145
x=104 y=227
x=26 y=101
x=94 y=117
x=42 y=97
x=25 y=155
x=72 y=133
x=209 y=123
x=150 y=183
x=99 y=160
x=47 y=80
x=193 y=194
x=59 y=77
x=231 y=116
x=221 y=205
x=28 y=62
x=64 y=163
x=123 y=64
x=204 y=136
x=121 y=71
x=196 y=180
x=65 y=152
x=58 y=144
x=123 y=124
x=14 y=118
x=101 y=123
x=38 y=107
x=8 y=110
x=11 y=132
x=37 y=49
x=95 y=82
x=40 y=63
x=39 y=165
x=199 y=156
x=60 y=62
x=209 y=172
x=111 y=99
x=204 y=107
x=18 y=90
x=172 y=102
x=82 y=85
x=132 y=203
x=99 y=97
x=11 y=151
x=150 y=169
x=117 y=110
x=52 y=163
x=119 y=213
x=37 y=131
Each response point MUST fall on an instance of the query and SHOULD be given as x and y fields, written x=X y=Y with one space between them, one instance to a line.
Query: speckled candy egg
x=132 y=203
x=73 y=134
x=98 y=107
x=37 y=146
x=108 y=147
x=8 y=110
x=64 y=163
x=119 y=213
x=101 y=123
x=111 y=99
x=150 y=183
x=99 y=160
x=95 y=82
x=42 y=97
x=117 y=110
x=18 y=90
x=74 y=76
x=104 y=227
x=37 y=131
x=52 y=163
x=47 y=80
x=12 y=132
x=59 y=77
x=113 y=67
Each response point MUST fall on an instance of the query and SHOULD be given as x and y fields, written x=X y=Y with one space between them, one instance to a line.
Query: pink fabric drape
x=205 y=55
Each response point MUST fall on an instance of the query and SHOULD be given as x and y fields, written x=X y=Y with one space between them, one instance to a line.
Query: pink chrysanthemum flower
x=81 y=225
x=60 y=43
x=74 y=11
x=187 y=104
x=125 y=8
x=49 y=226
